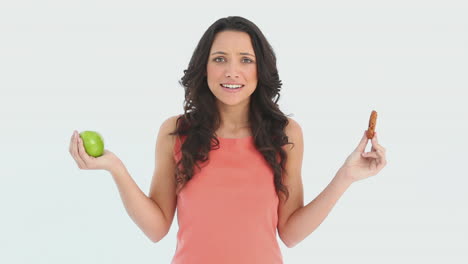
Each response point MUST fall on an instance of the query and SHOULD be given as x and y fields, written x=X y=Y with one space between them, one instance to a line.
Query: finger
x=74 y=150
x=76 y=154
x=82 y=152
x=363 y=143
x=376 y=147
x=381 y=160
x=71 y=145
x=374 y=140
x=370 y=155
x=375 y=143
x=376 y=160
x=381 y=155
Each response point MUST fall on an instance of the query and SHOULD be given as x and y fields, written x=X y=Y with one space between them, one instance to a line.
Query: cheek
x=213 y=72
x=252 y=73
x=213 y=77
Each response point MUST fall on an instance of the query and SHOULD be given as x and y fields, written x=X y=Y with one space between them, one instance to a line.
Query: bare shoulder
x=168 y=126
x=293 y=131
x=292 y=126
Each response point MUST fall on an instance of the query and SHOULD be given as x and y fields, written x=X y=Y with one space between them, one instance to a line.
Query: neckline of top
x=248 y=137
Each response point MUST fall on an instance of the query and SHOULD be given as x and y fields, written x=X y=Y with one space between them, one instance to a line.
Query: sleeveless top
x=227 y=213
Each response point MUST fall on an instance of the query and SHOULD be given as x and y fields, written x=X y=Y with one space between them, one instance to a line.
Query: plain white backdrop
x=114 y=66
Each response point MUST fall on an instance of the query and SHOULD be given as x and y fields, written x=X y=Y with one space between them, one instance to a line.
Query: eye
x=221 y=59
x=216 y=59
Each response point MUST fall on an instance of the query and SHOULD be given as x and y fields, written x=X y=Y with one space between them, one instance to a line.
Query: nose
x=229 y=75
x=231 y=71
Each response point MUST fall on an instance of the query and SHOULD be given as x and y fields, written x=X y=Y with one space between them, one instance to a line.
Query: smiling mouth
x=231 y=86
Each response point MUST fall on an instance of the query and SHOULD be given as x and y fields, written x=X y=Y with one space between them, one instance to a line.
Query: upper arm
x=163 y=188
x=292 y=177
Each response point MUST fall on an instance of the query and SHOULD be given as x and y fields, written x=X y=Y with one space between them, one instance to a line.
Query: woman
x=231 y=164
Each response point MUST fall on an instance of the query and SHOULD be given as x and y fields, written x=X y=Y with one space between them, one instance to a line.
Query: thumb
x=363 y=143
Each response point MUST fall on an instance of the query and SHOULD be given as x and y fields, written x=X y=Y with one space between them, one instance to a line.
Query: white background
x=113 y=67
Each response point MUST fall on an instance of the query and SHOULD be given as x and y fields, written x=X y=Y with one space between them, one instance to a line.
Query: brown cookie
x=372 y=124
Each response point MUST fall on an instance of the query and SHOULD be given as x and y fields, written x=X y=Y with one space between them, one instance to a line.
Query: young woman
x=231 y=163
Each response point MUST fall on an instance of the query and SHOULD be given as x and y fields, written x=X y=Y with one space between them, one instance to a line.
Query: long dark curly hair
x=201 y=117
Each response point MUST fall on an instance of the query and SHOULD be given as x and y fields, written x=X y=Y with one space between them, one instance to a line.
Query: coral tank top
x=227 y=213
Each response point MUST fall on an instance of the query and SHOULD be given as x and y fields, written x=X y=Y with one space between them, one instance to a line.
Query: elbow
x=156 y=237
x=157 y=233
x=288 y=242
x=155 y=240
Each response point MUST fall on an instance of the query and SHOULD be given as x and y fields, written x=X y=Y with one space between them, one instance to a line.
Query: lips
x=242 y=85
x=232 y=90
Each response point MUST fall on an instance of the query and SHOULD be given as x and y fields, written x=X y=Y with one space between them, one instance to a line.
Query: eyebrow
x=224 y=53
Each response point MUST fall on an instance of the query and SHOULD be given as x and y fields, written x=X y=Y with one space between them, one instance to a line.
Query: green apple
x=93 y=143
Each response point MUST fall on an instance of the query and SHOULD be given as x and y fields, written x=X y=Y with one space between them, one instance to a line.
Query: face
x=232 y=62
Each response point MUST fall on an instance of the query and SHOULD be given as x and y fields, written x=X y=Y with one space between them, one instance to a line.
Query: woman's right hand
x=108 y=161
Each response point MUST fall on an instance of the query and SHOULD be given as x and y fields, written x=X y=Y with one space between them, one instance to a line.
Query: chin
x=234 y=102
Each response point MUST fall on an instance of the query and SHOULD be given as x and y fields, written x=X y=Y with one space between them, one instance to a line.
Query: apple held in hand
x=93 y=143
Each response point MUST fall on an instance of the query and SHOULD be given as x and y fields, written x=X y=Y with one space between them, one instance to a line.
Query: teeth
x=231 y=86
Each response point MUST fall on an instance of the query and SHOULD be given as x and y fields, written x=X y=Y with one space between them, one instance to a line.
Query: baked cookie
x=372 y=123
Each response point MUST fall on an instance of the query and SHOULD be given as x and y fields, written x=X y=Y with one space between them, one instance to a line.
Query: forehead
x=233 y=41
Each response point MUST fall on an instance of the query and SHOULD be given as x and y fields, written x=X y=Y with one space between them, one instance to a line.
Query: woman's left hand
x=360 y=165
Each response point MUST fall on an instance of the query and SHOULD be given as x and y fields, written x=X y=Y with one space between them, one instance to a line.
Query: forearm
x=142 y=210
x=306 y=219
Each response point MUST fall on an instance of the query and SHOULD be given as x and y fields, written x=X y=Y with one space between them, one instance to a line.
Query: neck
x=234 y=118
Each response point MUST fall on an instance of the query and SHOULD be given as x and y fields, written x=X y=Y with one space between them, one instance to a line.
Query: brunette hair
x=201 y=117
